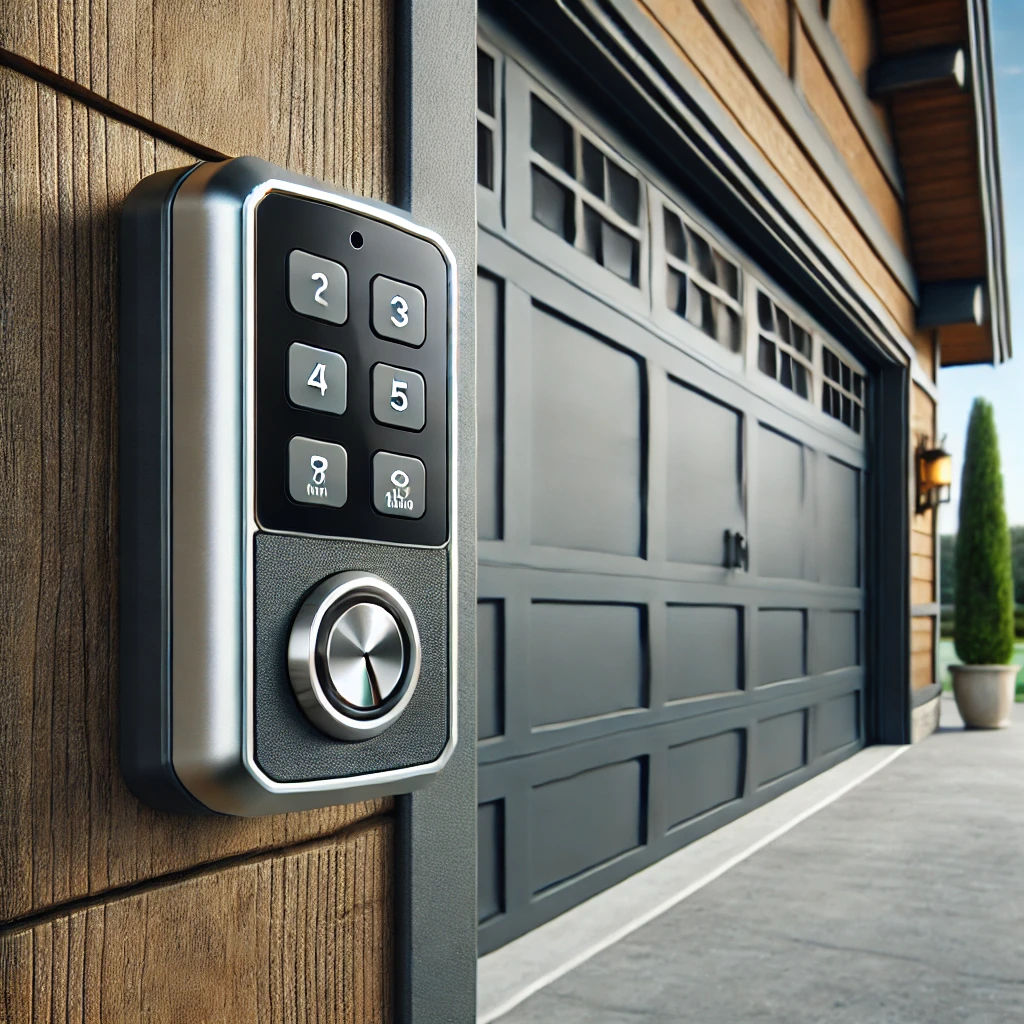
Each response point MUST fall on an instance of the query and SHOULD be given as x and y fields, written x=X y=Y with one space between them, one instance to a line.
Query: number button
x=399 y=311
x=399 y=485
x=317 y=472
x=399 y=397
x=317 y=379
x=317 y=287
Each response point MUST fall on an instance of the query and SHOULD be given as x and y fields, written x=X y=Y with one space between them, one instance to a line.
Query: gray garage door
x=671 y=478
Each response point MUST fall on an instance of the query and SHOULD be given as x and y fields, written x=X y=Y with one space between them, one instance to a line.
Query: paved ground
x=902 y=902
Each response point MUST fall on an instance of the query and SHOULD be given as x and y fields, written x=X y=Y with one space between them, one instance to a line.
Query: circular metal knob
x=354 y=655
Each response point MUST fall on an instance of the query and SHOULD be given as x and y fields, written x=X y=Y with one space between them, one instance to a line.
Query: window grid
x=785 y=348
x=703 y=284
x=583 y=194
x=487 y=106
x=843 y=390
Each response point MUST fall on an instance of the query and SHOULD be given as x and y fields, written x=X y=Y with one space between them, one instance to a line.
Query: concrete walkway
x=902 y=902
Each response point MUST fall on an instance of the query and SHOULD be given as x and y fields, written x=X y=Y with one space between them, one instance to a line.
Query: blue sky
x=1004 y=387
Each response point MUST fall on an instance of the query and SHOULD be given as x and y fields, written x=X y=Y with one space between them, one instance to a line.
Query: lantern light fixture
x=934 y=476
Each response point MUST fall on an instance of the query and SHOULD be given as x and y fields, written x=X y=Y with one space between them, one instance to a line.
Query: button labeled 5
x=399 y=397
x=317 y=379
x=399 y=311
x=317 y=287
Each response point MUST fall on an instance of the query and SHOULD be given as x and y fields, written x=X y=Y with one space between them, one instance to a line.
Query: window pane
x=485 y=82
x=593 y=169
x=553 y=205
x=623 y=193
x=550 y=135
x=484 y=156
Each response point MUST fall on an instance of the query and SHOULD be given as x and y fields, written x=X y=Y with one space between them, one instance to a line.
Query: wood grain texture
x=305 y=84
x=694 y=38
x=922 y=669
x=825 y=100
x=852 y=24
x=69 y=828
x=771 y=18
x=924 y=342
x=302 y=937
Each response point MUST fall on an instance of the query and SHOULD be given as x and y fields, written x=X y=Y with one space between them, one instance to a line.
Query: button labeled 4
x=317 y=379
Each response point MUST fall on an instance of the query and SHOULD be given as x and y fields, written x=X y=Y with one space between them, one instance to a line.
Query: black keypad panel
x=323 y=471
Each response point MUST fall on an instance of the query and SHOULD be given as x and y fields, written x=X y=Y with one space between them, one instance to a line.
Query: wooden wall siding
x=852 y=24
x=926 y=347
x=922 y=528
x=68 y=825
x=297 y=937
x=935 y=131
x=824 y=99
x=706 y=54
x=922 y=652
x=306 y=85
x=773 y=19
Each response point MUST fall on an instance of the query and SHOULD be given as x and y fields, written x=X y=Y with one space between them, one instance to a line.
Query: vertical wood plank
x=68 y=826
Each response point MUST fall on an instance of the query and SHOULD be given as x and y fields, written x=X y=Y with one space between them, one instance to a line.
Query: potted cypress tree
x=984 y=685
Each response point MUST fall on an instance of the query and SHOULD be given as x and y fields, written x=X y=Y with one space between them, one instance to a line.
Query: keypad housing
x=367 y=248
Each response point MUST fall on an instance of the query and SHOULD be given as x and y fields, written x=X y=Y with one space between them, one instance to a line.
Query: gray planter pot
x=984 y=694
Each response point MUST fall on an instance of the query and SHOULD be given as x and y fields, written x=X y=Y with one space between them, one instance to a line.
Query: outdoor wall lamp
x=934 y=477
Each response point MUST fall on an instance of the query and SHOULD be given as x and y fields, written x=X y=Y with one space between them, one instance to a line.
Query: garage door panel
x=839 y=722
x=490 y=406
x=781 y=746
x=835 y=640
x=586 y=421
x=705 y=774
x=839 y=523
x=780 y=530
x=705 y=650
x=704 y=483
x=490 y=844
x=490 y=668
x=586 y=660
x=580 y=822
x=781 y=651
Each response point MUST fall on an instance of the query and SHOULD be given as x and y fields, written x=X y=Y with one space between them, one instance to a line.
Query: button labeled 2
x=317 y=472
x=399 y=311
x=399 y=397
x=317 y=379
x=317 y=287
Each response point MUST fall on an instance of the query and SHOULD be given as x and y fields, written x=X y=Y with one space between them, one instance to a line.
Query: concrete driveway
x=902 y=902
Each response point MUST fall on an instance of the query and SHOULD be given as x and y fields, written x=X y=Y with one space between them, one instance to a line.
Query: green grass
x=947 y=657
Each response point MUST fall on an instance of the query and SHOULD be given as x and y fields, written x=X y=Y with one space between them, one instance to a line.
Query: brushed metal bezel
x=302 y=641
x=212 y=693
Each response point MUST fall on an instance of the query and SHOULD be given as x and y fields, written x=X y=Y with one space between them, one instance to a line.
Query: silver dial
x=354 y=655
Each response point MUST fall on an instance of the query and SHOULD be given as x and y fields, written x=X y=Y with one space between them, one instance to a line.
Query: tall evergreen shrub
x=984 y=580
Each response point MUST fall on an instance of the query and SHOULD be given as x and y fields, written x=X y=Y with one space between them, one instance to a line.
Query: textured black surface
x=282 y=224
x=289 y=748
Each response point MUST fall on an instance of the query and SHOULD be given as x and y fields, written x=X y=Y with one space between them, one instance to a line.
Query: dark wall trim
x=888 y=561
x=983 y=86
x=734 y=23
x=851 y=90
x=926 y=694
x=435 y=841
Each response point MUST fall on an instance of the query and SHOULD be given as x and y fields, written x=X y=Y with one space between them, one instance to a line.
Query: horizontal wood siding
x=773 y=21
x=824 y=99
x=852 y=24
x=110 y=911
x=299 y=936
x=922 y=652
x=704 y=51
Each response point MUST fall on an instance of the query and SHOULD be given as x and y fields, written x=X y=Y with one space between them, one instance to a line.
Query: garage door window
x=842 y=390
x=784 y=349
x=583 y=195
x=703 y=285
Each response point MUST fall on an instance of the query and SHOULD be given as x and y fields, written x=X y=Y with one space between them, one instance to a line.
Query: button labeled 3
x=317 y=287
x=398 y=397
x=399 y=311
x=399 y=485
x=317 y=472
x=317 y=379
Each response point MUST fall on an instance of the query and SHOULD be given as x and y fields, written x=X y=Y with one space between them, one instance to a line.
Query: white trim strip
x=504 y=976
